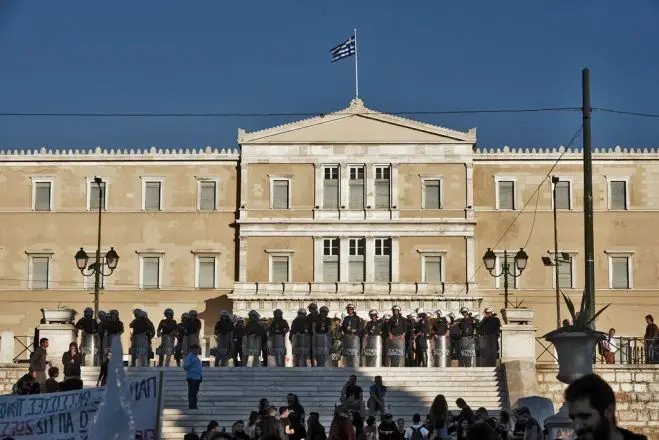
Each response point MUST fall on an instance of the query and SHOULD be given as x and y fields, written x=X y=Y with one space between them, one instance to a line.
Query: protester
x=315 y=430
x=39 y=361
x=416 y=431
x=72 y=361
x=27 y=384
x=483 y=431
x=193 y=374
x=387 y=428
x=526 y=428
x=341 y=427
x=370 y=430
x=591 y=405
x=376 y=401
x=103 y=375
x=210 y=431
x=51 y=385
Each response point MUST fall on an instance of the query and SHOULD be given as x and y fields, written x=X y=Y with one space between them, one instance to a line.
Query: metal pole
x=356 y=67
x=554 y=181
x=505 y=278
x=589 y=240
x=97 y=265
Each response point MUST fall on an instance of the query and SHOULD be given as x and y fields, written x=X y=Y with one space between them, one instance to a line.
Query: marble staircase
x=229 y=394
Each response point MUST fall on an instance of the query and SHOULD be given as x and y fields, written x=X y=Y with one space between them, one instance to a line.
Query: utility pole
x=589 y=241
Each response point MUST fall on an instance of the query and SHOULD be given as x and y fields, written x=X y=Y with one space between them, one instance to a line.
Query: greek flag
x=344 y=50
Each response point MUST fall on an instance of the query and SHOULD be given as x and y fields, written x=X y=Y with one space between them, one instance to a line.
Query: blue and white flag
x=114 y=419
x=344 y=50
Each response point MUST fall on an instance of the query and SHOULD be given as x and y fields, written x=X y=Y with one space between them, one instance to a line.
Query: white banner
x=68 y=415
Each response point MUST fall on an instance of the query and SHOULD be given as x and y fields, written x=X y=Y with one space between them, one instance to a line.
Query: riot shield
x=350 y=350
x=441 y=351
x=372 y=351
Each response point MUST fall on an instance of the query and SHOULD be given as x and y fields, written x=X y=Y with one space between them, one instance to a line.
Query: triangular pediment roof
x=359 y=125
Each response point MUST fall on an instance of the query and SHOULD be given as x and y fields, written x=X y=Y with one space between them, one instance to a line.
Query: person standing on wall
x=193 y=374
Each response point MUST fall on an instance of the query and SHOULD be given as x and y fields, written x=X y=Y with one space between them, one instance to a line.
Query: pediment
x=356 y=125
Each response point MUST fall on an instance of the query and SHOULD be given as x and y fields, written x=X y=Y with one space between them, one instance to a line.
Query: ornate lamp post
x=110 y=260
x=520 y=260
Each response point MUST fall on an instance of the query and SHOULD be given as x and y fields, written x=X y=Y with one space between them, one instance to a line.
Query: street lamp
x=520 y=260
x=95 y=269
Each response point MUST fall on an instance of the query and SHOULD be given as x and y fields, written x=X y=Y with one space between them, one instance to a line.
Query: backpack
x=416 y=434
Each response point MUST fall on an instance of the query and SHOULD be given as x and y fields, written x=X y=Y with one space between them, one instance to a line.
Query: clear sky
x=262 y=56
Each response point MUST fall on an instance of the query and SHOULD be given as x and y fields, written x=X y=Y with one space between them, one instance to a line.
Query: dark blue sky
x=272 y=56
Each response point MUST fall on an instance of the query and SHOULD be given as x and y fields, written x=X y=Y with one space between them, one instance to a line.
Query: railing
x=25 y=347
x=626 y=351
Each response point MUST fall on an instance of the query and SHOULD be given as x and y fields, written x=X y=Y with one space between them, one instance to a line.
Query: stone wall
x=9 y=375
x=636 y=388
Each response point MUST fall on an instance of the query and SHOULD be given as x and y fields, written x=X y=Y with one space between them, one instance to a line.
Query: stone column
x=344 y=183
x=242 y=260
x=318 y=186
x=395 y=203
x=369 y=259
x=317 y=259
x=244 y=191
x=344 y=258
x=395 y=259
x=370 y=185
x=470 y=257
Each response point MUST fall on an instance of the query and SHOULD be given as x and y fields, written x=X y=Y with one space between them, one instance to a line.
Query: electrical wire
x=274 y=114
x=628 y=113
x=521 y=211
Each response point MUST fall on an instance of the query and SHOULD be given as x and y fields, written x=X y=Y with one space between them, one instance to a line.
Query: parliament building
x=355 y=207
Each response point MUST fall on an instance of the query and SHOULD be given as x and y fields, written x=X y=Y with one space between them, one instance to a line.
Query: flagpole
x=356 y=67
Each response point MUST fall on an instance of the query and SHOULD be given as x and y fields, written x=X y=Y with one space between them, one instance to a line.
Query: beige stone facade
x=354 y=206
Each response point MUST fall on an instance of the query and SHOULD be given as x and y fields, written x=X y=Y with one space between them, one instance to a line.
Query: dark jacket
x=628 y=435
x=71 y=364
x=270 y=427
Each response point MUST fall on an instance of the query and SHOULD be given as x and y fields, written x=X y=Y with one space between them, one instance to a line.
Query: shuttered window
x=565 y=274
x=331 y=260
x=382 y=187
x=356 y=265
x=382 y=260
x=618 y=190
x=506 y=194
x=620 y=272
x=206 y=274
x=152 y=193
x=563 y=195
x=40 y=272
x=207 y=196
x=331 y=187
x=280 y=194
x=432 y=269
x=96 y=199
x=150 y=272
x=431 y=193
x=356 y=188
x=280 y=268
x=42 y=196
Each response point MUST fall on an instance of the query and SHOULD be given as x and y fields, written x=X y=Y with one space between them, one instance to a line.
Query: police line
x=68 y=415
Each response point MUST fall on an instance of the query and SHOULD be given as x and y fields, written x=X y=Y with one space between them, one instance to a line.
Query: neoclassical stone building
x=354 y=206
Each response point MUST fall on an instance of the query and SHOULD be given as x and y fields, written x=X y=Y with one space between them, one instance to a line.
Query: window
x=280 y=191
x=39 y=276
x=617 y=194
x=152 y=195
x=331 y=187
x=563 y=195
x=150 y=272
x=88 y=282
x=97 y=196
x=501 y=262
x=206 y=272
x=356 y=265
x=382 y=187
x=565 y=274
x=432 y=269
x=207 y=195
x=280 y=268
x=42 y=194
x=331 y=260
x=356 y=188
x=382 y=260
x=432 y=194
x=620 y=271
x=506 y=194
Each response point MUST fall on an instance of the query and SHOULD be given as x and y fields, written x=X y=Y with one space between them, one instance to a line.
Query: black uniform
x=421 y=333
x=238 y=333
x=396 y=328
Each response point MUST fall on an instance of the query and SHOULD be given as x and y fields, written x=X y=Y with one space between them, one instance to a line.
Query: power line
x=521 y=211
x=623 y=112
x=275 y=114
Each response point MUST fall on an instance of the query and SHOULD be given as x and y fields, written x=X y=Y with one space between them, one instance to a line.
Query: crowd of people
x=590 y=400
x=419 y=339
